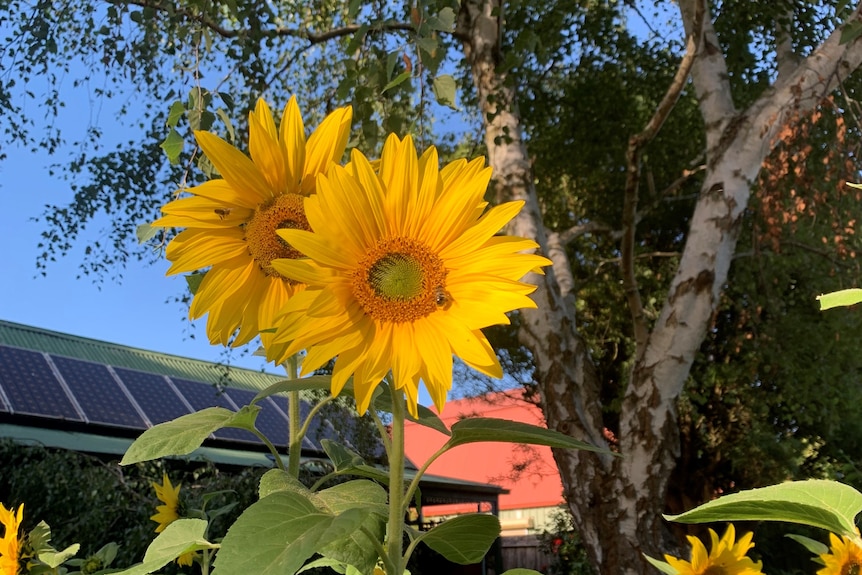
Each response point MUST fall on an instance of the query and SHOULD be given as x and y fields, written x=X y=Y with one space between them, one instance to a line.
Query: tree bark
x=617 y=501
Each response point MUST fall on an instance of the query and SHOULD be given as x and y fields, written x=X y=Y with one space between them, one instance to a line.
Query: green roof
x=57 y=343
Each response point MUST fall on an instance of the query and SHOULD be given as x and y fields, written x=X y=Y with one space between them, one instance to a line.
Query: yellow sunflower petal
x=326 y=145
x=239 y=171
x=264 y=149
x=221 y=191
x=200 y=212
x=194 y=249
x=292 y=143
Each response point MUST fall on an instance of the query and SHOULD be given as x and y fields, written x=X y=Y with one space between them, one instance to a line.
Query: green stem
x=275 y=454
x=205 y=562
x=294 y=447
x=395 y=530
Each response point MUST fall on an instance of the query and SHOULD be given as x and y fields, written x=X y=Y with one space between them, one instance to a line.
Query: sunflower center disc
x=264 y=244
x=396 y=276
x=399 y=280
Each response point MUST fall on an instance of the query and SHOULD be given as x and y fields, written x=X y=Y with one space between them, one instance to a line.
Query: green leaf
x=279 y=533
x=276 y=480
x=359 y=493
x=478 y=429
x=843 y=297
x=245 y=418
x=399 y=79
x=520 y=571
x=341 y=456
x=464 y=539
x=850 y=32
x=313 y=382
x=144 y=232
x=383 y=402
x=181 y=536
x=356 y=549
x=429 y=45
x=660 y=565
x=816 y=502
x=180 y=436
x=194 y=280
x=444 y=90
x=176 y=112
x=173 y=146
x=444 y=21
x=812 y=545
x=54 y=559
x=220 y=112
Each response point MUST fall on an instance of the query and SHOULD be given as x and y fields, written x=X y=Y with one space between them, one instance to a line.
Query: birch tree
x=617 y=502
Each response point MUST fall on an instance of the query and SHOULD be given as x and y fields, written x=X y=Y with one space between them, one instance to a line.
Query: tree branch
x=633 y=172
x=280 y=31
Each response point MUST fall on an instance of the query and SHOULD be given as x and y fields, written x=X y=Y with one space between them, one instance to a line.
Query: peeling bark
x=617 y=502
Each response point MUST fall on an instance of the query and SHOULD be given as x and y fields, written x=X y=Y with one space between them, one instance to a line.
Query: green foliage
x=463 y=539
x=563 y=544
x=183 y=435
x=95 y=501
x=819 y=503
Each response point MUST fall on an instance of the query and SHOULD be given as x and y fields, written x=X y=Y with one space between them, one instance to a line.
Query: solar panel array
x=104 y=398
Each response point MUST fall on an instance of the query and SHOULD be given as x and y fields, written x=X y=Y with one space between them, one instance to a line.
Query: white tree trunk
x=617 y=502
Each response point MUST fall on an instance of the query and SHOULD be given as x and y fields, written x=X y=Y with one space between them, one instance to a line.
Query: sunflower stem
x=395 y=565
x=293 y=416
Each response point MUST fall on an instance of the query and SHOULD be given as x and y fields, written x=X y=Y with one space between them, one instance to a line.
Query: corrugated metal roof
x=57 y=343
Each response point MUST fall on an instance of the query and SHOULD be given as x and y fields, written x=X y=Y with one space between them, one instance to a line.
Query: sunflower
x=10 y=544
x=170 y=496
x=844 y=558
x=404 y=270
x=231 y=222
x=725 y=557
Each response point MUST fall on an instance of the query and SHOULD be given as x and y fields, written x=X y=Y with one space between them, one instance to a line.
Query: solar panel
x=270 y=421
x=203 y=395
x=31 y=386
x=98 y=394
x=154 y=394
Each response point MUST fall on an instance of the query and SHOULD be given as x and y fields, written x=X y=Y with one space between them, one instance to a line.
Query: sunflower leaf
x=479 y=429
x=180 y=537
x=276 y=480
x=295 y=530
x=816 y=502
x=305 y=383
x=660 y=565
x=464 y=539
x=354 y=548
x=182 y=435
x=839 y=298
x=812 y=545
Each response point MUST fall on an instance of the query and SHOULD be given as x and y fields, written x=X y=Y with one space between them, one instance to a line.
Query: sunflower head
x=405 y=268
x=726 y=556
x=10 y=543
x=169 y=495
x=844 y=557
x=231 y=223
